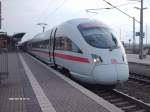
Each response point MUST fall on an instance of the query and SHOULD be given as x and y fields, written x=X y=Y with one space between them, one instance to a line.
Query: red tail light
x=113 y=61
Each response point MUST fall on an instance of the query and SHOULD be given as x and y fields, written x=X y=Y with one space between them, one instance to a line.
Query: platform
x=139 y=66
x=34 y=87
x=134 y=58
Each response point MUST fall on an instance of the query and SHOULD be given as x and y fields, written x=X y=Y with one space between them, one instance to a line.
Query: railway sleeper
x=120 y=104
x=116 y=100
x=110 y=97
x=144 y=80
x=105 y=94
x=129 y=107
x=141 y=79
x=134 y=101
x=141 y=110
x=134 y=109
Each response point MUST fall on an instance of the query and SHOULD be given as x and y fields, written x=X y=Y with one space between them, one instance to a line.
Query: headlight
x=96 y=59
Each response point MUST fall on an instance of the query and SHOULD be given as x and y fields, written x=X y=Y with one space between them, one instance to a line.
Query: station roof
x=18 y=35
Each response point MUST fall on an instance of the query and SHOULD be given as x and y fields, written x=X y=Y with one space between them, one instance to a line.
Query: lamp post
x=146 y=34
x=134 y=34
x=1 y=15
x=43 y=25
x=141 y=30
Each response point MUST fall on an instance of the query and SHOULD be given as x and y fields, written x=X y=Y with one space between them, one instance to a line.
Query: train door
x=54 y=41
x=50 y=48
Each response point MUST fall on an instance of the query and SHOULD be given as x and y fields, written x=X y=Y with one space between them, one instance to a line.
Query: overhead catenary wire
x=112 y=7
x=45 y=10
x=56 y=9
x=119 y=10
x=120 y=5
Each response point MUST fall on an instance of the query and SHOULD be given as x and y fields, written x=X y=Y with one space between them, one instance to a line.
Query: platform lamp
x=1 y=15
x=43 y=25
x=141 y=29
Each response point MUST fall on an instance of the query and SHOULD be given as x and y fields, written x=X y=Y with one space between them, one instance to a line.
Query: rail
x=123 y=101
x=140 y=78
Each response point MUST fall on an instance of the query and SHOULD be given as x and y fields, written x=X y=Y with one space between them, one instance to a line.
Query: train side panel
x=73 y=56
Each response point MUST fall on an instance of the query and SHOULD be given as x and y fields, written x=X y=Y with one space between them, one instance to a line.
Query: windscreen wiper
x=112 y=48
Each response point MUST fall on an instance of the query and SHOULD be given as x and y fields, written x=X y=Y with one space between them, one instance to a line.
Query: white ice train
x=86 y=48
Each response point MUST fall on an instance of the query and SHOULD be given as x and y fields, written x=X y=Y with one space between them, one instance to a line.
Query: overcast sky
x=23 y=15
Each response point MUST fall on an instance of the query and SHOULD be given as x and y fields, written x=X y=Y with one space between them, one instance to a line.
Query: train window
x=59 y=43
x=75 y=48
x=35 y=45
x=29 y=45
x=64 y=43
x=68 y=44
x=99 y=37
x=45 y=44
x=42 y=44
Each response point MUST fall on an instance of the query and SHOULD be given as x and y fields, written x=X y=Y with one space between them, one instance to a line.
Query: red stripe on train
x=65 y=56
x=73 y=58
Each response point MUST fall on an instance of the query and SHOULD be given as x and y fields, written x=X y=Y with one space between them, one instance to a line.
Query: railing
x=3 y=64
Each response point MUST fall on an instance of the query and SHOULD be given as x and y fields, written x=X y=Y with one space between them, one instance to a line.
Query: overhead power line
x=120 y=5
x=45 y=10
x=120 y=10
x=56 y=9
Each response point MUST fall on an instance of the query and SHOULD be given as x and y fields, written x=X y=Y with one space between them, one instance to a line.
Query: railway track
x=119 y=99
x=140 y=79
x=123 y=101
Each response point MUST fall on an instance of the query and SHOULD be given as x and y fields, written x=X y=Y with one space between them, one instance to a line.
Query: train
x=87 y=48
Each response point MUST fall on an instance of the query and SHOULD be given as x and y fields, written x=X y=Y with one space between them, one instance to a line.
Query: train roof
x=73 y=22
x=84 y=20
x=40 y=36
x=27 y=37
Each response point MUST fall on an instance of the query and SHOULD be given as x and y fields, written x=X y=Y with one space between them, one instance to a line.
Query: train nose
x=122 y=72
x=110 y=74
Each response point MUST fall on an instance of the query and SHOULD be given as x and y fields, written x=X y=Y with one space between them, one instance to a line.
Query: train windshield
x=99 y=37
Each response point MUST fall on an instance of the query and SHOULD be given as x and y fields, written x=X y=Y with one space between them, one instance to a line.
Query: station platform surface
x=134 y=58
x=35 y=87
